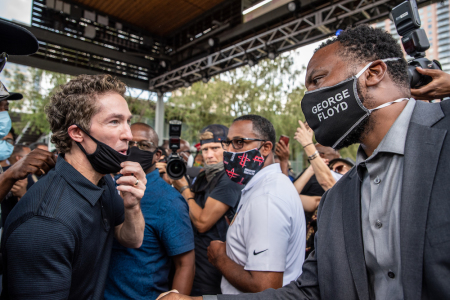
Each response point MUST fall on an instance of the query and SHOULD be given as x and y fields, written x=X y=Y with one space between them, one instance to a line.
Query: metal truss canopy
x=304 y=30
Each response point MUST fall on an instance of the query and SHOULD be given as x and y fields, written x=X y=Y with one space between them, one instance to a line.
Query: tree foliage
x=271 y=89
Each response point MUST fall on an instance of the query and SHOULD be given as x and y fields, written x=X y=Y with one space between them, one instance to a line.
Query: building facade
x=435 y=22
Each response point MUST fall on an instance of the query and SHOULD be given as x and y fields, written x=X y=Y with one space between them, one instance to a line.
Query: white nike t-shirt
x=269 y=230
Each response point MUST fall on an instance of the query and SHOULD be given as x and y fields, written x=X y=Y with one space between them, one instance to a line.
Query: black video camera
x=415 y=42
x=176 y=167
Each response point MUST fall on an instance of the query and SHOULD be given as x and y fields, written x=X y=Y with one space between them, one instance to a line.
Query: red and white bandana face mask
x=242 y=166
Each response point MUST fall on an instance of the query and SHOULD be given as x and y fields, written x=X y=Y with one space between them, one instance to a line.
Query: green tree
x=271 y=89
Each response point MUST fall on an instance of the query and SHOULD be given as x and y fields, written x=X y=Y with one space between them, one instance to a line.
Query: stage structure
x=161 y=45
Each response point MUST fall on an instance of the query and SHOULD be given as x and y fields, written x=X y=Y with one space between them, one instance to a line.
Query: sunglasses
x=338 y=169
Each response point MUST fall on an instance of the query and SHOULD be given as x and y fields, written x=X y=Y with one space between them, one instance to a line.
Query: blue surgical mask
x=5 y=123
x=6 y=150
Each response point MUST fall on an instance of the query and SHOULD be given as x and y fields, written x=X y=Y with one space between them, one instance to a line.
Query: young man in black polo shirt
x=57 y=240
x=211 y=199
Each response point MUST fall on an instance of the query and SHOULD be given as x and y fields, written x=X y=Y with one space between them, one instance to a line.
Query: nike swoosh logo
x=256 y=253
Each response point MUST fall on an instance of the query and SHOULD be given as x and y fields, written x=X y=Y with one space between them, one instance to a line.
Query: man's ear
x=266 y=148
x=75 y=133
x=376 y=73
x=157 y=156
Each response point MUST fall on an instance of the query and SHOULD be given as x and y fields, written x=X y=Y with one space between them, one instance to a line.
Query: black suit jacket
x=337 y=270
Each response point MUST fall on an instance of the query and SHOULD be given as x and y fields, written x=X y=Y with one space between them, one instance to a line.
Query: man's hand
x=304 y=134
x=37 y=162
x=180 y=183
x=131 y=184
x=282 y=151
x=161 y=166
x=438 y=88
x=20 y=188
x=174 y=295
x=216 y=251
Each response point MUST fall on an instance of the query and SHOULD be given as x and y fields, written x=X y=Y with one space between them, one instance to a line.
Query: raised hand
x=304 y=134
x=131 y=184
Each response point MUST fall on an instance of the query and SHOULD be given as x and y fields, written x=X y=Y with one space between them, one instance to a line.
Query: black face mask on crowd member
x=144 y=158
x=105 y=159
x=334 y=112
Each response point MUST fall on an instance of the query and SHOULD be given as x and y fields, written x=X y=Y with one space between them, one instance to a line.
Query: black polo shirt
x=57 y=240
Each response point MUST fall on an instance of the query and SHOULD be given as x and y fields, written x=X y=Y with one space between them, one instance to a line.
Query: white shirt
x=268 y=232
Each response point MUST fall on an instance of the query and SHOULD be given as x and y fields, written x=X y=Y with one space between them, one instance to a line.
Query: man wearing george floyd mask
x=57 y=240
x=168 y=239
x=383 y=228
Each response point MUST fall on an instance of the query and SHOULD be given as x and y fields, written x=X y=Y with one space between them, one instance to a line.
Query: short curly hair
x=75 y=103
x=363 y=44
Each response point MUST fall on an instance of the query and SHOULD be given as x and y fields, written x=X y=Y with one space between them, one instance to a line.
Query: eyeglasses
x=11 y=141
x=142 y=145
x=238 y=143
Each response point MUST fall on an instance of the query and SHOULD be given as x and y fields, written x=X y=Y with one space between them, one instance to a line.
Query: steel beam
x=65 y=41
x=52 y=66
x=304 y=30
x=159 y=118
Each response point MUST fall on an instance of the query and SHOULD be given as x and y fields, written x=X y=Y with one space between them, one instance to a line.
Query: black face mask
x=104 y=160
x=334 y=112
x=144 y=158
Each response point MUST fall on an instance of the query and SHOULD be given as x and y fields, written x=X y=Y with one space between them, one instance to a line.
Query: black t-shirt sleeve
x=116 y=201
x=312 y=187
x=227 y=191
x=119 y=210
x=38 y=257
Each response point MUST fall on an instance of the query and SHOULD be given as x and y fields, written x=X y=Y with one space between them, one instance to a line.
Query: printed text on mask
x=327 y=108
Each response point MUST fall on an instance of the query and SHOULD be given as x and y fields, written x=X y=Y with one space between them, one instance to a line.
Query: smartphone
x=285 y=139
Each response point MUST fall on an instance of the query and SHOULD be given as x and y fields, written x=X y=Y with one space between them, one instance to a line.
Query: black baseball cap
x=219 y=132
x=5 y=95
x=16 y=40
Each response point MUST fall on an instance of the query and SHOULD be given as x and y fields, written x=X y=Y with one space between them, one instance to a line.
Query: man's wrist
x=7 y=177
x=134 y=210
x=220 y=260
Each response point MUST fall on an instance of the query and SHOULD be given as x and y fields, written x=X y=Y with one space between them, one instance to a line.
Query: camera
x=176 y=167
x=414 y=40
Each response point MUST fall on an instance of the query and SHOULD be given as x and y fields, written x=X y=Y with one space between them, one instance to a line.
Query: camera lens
x=176 y=168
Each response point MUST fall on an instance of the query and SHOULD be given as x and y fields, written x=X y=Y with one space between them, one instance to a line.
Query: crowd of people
x=101 y=217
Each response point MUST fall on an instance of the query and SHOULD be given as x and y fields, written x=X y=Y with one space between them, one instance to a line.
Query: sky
x=16 y=10
x=20 y=10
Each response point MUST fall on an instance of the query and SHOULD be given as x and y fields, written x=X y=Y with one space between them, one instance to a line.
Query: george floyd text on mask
x=331 y=106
